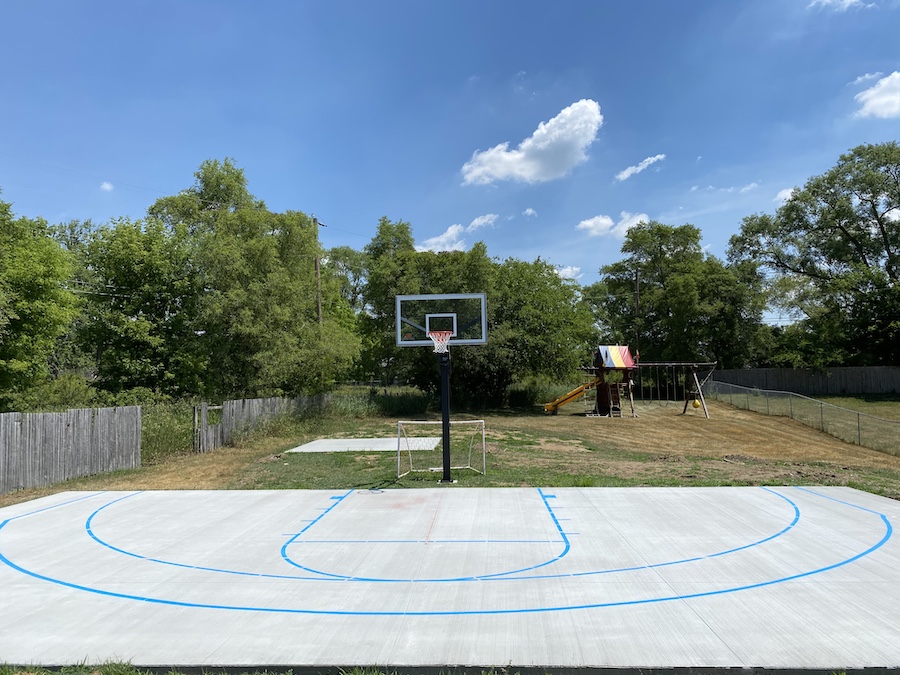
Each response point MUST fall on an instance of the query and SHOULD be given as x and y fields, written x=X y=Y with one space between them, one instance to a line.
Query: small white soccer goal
x=420 y=446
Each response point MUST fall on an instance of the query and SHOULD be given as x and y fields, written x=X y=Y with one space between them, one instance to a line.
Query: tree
x=673 y=302
x=257 y=325
x=834 y=252
x=142 y=309
x=35 y=307
x=537 y=324
x=538 y=327
x=391 y=260
x=71 y=357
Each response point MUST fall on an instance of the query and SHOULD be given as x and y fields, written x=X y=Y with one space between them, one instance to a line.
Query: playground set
x=615 y=379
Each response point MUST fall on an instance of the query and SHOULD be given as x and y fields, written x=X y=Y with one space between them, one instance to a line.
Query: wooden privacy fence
x=830 y=382
x=41 y=448
x=244 y=414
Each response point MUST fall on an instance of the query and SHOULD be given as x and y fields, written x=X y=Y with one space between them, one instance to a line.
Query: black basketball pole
x=444 y=361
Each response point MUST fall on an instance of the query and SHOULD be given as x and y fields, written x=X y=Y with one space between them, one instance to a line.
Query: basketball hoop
x=441 y=339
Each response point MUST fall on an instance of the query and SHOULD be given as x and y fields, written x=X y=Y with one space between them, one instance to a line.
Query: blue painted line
x=88 y=528
x=479 y=577
x=528 y=610
x=618 y=570
x=318 y=575
x=56 y=506
x=834 y=499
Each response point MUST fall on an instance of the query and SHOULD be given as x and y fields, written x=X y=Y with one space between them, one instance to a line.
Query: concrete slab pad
x=367 y=444
x=775 y=578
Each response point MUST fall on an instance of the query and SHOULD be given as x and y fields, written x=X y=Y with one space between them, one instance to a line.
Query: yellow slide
x=554 y=406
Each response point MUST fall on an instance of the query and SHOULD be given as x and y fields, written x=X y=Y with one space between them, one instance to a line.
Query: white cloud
x=625 y=174
x=744 y=189
x=783 y=195
x=599 y=226
x=569 y=272
x=451 y=239
x=554 y=149
x=486 y=220
x=596 y=226
x=881 y=100
x=866 y=78
x=529 y=212
x=448 y=241
x=840 y=5
x=106 y=186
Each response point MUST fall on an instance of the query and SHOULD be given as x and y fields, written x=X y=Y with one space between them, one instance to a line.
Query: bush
x=378 y=401
x=69 y=390
x=166 y=429
x=531 y=391
x=400 y=401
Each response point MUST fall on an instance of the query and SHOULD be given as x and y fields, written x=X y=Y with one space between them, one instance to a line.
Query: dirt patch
x=664 y=431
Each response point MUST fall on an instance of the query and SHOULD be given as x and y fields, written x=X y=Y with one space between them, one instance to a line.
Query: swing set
x=665 y=382
x=615 y=378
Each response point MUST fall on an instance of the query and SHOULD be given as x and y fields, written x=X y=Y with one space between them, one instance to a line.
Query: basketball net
x=441 y=339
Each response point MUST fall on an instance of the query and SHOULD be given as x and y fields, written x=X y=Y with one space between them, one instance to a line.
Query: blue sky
x=542 y=129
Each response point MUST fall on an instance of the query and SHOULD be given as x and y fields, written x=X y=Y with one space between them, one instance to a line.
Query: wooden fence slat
x=831 y=382
x=42 y=448
x=241 y=414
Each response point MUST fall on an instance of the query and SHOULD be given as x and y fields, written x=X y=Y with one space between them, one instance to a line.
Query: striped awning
x=615 y=356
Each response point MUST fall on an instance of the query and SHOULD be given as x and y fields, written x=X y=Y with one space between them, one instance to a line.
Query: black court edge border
x=493 y=670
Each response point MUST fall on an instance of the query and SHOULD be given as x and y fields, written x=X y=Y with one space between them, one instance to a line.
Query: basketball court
x=775 y=578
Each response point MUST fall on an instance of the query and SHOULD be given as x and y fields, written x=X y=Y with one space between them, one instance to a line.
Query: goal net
x=420 y=446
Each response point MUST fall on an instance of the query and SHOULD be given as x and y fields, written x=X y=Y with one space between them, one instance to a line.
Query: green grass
x=870 y=421
x=532 y=459
x=886 y=406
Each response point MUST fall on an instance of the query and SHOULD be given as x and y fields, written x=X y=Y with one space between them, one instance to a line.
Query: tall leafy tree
x=35 y=306
x=142 y=308
x=537 y=323
x=258 y=324
x=71 y=357
x=539 y=326
x=673 y=302
x=834 y=252
x=392 y=269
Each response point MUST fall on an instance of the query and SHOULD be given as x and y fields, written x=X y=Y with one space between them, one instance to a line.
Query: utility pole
x=317 y=225
x=637 y=313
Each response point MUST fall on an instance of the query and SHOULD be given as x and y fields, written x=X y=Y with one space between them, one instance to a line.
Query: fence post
x=858 y=429
x=204 y=423
x=822 y=415
x=196 y=429
x=791 y=404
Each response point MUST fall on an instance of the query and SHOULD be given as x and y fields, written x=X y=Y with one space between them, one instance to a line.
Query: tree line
x=213 y=295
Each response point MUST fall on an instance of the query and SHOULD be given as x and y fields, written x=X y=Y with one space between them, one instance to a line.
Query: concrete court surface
x=775 y=578
x=367 y=444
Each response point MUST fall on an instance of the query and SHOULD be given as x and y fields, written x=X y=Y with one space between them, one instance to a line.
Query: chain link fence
x=847 y=425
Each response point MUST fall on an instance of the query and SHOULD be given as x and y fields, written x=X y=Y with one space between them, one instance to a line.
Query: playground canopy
x=613 y=357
